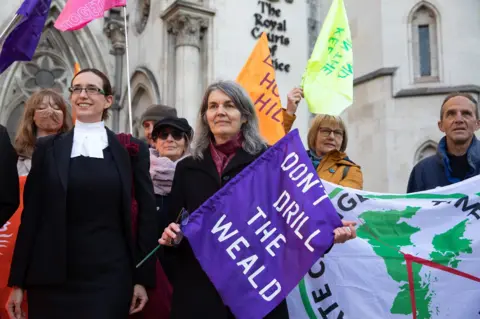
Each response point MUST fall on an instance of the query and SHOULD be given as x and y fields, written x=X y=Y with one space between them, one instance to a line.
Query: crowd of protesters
x=96 y=203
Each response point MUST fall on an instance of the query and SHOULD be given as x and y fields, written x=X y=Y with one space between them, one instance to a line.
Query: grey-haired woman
x=226 y=140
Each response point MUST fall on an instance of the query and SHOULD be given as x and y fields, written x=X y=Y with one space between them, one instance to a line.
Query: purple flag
x=260 y=234
x=21 y=43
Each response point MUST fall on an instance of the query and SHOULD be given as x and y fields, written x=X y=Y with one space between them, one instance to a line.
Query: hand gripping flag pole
x=182 y=219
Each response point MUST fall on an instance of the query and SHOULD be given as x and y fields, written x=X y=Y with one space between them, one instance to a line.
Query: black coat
x=435 y=170
x=40 y=250
x=194 y=296
x=9 y=188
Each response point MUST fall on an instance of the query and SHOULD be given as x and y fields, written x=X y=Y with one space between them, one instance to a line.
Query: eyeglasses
x=176 y=134
x=90 y=90
x=326 y=132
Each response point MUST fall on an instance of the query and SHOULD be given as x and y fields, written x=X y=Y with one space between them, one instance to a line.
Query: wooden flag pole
x=129 y=89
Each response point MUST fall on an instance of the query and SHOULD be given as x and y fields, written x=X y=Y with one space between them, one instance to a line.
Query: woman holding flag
x=75 y=254
x=327 y=142
x=227 y=140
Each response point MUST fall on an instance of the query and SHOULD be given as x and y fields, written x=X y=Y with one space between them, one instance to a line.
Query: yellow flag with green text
x=328 y=79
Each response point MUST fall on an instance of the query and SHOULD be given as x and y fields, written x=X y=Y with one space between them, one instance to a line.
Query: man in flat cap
x=152 y=115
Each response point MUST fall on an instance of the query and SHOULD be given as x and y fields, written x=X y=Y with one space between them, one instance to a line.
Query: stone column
x=115 y=31
x=188 y=30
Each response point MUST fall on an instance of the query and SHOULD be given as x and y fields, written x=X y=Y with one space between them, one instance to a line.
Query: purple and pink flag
x=260 y=234
x=78 y=13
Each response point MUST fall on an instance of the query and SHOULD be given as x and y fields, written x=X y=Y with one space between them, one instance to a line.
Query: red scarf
x=222 y=154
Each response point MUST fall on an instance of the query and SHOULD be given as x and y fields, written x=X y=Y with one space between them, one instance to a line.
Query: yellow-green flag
x=328 y=79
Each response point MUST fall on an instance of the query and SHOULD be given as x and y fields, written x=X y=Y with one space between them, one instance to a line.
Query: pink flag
x=78 y=13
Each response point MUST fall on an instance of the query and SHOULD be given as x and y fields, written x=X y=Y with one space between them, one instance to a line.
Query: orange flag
x=8 y=235
x=76 y=69
x=258 y=78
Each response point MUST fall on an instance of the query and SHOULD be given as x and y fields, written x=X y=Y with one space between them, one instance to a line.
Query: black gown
x=99 y=275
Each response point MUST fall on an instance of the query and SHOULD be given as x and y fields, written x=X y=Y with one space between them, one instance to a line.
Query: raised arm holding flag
x=328 y=79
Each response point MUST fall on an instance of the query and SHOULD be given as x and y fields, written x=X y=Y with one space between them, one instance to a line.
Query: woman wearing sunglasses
x=171 y=137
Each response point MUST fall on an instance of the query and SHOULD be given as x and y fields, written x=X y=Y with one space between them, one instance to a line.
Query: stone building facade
x=408 y=55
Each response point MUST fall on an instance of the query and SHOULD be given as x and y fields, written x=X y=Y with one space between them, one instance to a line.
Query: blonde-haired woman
x=45 y=113
x=327 y=142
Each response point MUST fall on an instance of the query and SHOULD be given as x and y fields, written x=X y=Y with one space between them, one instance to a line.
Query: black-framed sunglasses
x=176 y=134
x=90 y=90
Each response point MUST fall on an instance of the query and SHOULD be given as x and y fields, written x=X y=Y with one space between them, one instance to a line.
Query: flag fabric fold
x=328 y=78
x=21 y=43
x=78 y=13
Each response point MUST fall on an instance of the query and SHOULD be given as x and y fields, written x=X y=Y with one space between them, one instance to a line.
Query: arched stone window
x=425 y=150
x=424 y=26
x=145 y=92
x=140 y=102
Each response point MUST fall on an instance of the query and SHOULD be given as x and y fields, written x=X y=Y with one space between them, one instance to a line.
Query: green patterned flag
x=416 y=256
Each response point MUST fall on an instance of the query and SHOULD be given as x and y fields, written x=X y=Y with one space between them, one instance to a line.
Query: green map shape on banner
x=447 y=247
x=387 y=241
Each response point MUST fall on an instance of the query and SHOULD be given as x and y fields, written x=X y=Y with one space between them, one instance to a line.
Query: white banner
x=437 y=231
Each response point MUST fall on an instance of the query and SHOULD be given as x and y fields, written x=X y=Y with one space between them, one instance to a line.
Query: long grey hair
x=253 y=143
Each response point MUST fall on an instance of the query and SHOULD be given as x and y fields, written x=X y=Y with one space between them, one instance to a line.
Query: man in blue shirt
x=458 y=152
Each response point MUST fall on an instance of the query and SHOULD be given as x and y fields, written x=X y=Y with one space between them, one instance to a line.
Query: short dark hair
x=465 y=95
x=107 y=86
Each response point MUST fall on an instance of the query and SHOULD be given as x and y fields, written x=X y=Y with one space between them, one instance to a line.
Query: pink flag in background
x=78 y=13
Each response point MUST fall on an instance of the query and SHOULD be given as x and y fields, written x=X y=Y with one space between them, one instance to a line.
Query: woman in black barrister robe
x=75 y=254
